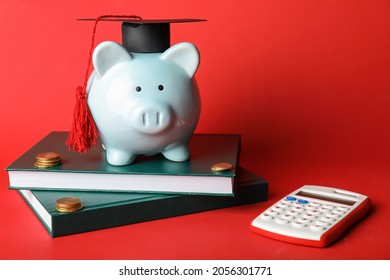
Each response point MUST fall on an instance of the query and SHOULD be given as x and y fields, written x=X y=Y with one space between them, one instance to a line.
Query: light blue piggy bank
x=144 y=103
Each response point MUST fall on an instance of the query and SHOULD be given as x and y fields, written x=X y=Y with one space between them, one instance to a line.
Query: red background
x=306 y=83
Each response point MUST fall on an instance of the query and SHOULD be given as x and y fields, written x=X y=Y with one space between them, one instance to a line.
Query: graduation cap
x=139 y=36
x=145 y=35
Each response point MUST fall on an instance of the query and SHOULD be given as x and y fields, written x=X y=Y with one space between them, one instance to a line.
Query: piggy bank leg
x=179 y=153
x=119 y=157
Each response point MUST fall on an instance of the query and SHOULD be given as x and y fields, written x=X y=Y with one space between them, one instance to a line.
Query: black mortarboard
x=146 y=36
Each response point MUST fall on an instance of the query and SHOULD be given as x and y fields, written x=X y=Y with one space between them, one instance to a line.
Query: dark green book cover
x=110 y=209
x=152 y=173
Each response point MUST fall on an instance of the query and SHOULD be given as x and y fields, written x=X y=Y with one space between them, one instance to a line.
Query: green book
x=110 y=209
x=152 y=173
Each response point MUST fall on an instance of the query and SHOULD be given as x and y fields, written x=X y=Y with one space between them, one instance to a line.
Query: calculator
x=312 y=215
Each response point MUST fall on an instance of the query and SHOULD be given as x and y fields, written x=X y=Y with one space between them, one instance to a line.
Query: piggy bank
x=144 y=103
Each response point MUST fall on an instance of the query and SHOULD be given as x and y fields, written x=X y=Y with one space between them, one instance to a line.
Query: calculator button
x=281 y=221
x=304 y=220
x=314 y=204
x=277 y=209
x=309 y=206
x=327 y=206
x=332 y=215
x=284 y=205
x=302 y=201
x=293 y=213
x=345 y=209
x=266 y=217
x=317 y=228
x=339 y=212
x=309 y=216
x=272 y=213
x=287 y=217
x=327 y=219
x=298 y=209
x=322 y=223
x=313 y=212
x=298 y=225
x=324 y=210
x=290 y=198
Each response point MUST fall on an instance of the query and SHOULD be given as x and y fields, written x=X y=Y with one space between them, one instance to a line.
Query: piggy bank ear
x=106 y=55
x=184 y=54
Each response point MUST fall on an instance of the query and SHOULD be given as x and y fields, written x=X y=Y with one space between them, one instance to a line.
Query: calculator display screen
x=326 y=198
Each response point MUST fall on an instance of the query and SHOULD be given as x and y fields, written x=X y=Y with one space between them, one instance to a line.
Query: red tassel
x=84 y=133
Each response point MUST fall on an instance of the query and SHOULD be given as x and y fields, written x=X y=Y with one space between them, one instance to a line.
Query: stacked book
x=95 y=195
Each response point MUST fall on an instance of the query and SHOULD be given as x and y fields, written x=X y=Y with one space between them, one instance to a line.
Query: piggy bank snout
x=151 y=118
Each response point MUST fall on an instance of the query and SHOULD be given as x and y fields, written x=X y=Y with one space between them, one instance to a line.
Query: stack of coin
x=68 y=204
x=48 y=159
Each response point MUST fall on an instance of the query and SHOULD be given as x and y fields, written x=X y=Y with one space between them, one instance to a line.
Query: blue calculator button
x=302 y=201
x=291 y=198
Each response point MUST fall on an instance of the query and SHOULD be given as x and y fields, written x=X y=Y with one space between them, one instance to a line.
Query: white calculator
x=312 y=215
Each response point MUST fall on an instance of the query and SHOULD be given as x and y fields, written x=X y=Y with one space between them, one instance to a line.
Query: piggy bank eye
x=160 y=87
x=138 y=88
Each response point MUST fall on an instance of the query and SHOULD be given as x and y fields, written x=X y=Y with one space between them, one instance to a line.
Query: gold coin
x=68 y=204
x=48 y=156
x=68 y=201
x=46 y=165
x=68 y=210
x=48 y=159
x=221 y=166
x=37 y=164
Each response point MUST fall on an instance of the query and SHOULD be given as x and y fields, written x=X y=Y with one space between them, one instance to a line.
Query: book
x=151 y=173
x=110 y=209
